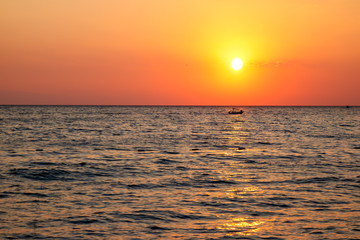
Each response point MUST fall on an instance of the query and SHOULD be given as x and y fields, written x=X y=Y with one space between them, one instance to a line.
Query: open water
x=83 y=172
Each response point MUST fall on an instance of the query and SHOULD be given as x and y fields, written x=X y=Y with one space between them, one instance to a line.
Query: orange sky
x=179 y=52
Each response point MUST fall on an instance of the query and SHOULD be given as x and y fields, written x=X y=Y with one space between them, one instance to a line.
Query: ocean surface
x=116 y=172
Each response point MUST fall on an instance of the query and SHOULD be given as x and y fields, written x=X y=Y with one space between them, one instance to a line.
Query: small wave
x=182 y=168
x=220 y=182
x=137 y=216
x=165 y=161
x=224 y=205
x=4 y=196
x=330 y=202
x=93 y=174
x=271 y=204
x=170 y=214
x=43 y=163
x=83 y=221
x=26 y=236
x=321 y=136
x=289 y=131
x=346 y=125
x=34 y=194
x=265 y=213
x=171 y=152
x=143 y=186
x=316 y=180
x=154 y=227
x=16 y=155
x=144 y=150
x=22 y=129
x=250 y=161
x=210 y=182
x=40 y=174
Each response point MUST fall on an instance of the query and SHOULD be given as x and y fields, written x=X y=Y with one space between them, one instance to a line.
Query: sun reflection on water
x=241 y=226
x=239 y=193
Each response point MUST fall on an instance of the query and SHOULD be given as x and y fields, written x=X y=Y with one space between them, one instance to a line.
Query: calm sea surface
x=179 y=173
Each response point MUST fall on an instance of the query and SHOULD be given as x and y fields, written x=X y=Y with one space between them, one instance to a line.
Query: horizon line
x=168 y=105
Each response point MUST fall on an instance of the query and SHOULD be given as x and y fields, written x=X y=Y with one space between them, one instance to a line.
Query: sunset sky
x=167 y=52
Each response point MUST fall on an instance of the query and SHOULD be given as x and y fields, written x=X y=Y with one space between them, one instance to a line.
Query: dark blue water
x=179 y=173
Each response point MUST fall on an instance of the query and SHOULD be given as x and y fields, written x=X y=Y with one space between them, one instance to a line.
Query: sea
x=179 y=172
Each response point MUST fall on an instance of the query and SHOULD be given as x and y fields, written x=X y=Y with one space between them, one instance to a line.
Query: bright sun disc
x=236 y=64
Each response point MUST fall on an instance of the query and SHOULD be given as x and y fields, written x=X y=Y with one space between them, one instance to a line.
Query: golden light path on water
x=241 y=226
x=238 y=225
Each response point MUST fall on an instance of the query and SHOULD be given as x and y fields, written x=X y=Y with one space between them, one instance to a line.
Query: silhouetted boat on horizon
x=235 y=111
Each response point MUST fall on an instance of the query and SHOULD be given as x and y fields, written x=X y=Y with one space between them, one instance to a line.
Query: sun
x=236 y=64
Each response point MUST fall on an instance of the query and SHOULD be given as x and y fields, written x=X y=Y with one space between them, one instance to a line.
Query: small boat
x=235 y=111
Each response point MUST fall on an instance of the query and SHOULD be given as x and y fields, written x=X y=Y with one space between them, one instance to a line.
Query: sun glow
x=236 y=64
